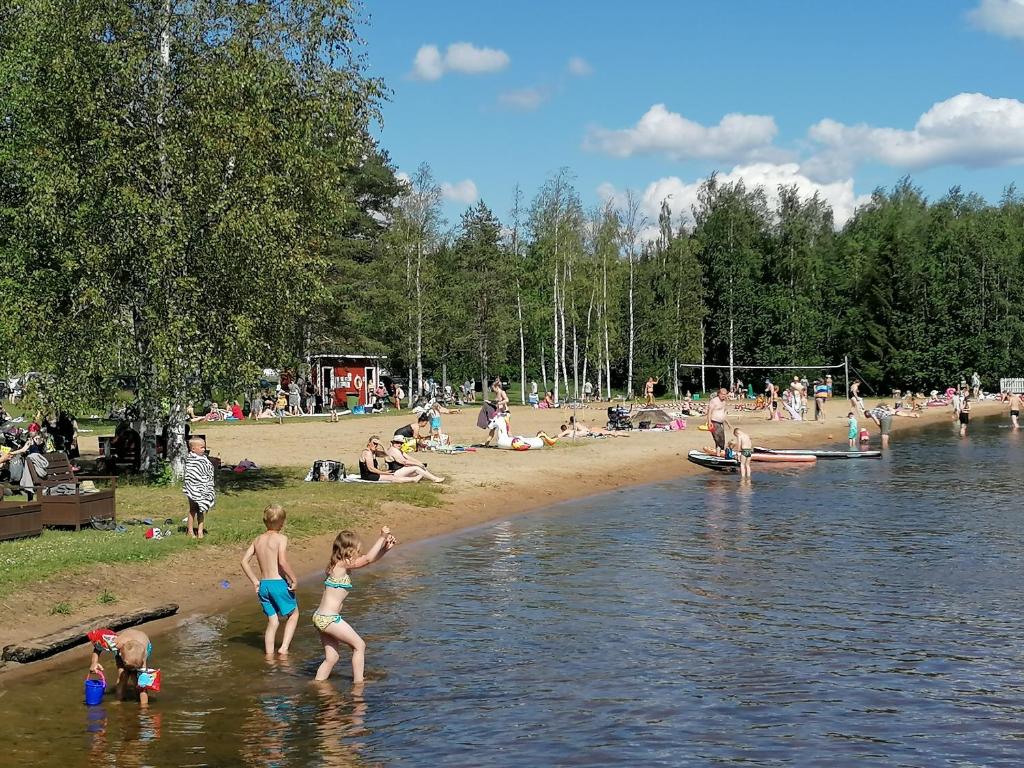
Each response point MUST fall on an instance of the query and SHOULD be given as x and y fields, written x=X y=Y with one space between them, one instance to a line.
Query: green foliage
x=176 y=180
x=107 y=598
x=63 y=608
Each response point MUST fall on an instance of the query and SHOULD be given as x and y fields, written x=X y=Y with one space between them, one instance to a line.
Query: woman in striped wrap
x=198 y=486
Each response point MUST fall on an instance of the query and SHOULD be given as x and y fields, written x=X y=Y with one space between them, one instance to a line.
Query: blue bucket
x=94 y=690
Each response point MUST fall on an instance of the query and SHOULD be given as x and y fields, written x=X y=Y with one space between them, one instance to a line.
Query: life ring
x=358 y=381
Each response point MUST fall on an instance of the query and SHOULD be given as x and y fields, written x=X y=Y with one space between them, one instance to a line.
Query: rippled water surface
x=854 y=613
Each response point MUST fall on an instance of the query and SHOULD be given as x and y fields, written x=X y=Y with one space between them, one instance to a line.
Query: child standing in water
x=131 y=649
x=276 y=594
x=745 y=448
x=852 y=419
x=345 y=557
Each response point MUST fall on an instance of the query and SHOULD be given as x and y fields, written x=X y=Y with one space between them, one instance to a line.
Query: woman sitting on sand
x=397 y=460
x=548 y=401
x=368 y=467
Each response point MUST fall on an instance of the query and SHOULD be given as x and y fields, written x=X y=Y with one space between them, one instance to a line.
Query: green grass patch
x=63 y=608
x=107 y=598
x=313 y=508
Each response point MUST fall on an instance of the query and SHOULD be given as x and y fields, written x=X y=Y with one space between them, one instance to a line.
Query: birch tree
x=173 y=180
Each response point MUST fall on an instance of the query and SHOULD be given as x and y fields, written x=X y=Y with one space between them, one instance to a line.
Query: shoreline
x=497 y=485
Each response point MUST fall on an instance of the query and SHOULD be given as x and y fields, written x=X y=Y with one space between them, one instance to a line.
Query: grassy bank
x=313 y=508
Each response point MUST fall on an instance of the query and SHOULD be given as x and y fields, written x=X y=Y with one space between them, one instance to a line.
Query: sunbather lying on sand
x=579 y=429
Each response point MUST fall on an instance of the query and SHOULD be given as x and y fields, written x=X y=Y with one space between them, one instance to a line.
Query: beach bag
x=677 y=424
x=326 y=470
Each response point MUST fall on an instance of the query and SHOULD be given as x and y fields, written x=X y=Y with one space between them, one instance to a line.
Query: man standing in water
x=882 y=416
x=1015 y=409
x=717 y=420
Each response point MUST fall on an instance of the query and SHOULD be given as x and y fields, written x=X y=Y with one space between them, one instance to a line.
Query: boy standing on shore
x=853 y=433
x=198 y=486
x=276 y=594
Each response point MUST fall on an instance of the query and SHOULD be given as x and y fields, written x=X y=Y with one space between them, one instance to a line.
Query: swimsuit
x=366 y=474
x=747 y=452
x=323 y=620
x=276 y=597
x=718 y=433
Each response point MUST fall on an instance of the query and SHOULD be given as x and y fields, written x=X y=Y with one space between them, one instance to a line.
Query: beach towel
x=358 y=479
x=487 y=412
x=198 y=484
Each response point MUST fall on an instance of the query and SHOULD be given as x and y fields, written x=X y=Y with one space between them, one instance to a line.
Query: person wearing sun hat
x=397 y=459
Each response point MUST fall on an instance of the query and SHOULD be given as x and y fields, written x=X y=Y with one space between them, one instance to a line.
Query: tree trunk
x=555 y=346
x=522 y=341
x=629 y=373
x=543 y=367
x=419 y=318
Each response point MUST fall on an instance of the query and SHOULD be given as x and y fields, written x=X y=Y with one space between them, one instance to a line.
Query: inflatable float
x=517 y=442
x=709 y=461
x=817 y=454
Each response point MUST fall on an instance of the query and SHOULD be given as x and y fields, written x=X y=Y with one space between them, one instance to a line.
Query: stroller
x=618 y=418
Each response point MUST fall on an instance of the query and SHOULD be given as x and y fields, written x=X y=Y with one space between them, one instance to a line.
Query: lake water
x=854 y=613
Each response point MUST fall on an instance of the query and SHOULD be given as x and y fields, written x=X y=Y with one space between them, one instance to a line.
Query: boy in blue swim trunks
x=276 y=590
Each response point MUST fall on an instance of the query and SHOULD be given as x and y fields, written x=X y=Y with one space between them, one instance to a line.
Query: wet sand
x=482 y=486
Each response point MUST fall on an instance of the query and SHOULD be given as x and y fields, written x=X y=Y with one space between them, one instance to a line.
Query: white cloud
x=464 y=191
x=428 y=63
x=579 y=67
x=523 y=99
x=737 y=137
x=465 y=58
x=682 y=195
x=1001 y=17
x=970 y=129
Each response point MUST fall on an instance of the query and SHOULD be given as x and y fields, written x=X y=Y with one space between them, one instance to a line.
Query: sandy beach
x=482 y=486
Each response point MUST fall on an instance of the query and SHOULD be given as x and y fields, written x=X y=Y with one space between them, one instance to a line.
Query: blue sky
x=835 y=97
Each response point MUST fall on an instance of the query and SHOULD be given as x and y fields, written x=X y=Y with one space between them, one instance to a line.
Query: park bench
x=18 y=521
x=131 y=458
x=73 y=508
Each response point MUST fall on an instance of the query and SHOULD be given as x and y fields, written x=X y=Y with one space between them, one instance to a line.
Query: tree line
x=190 y=191
x=917 y=293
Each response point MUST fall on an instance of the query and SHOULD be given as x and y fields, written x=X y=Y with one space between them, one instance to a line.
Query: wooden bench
x=71 y=509
x=18 y=521
x=131 y=459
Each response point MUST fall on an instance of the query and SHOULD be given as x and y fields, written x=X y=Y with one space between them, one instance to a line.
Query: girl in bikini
x=345 y=557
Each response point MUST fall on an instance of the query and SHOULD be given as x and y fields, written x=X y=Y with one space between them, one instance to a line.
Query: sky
x=838 y=98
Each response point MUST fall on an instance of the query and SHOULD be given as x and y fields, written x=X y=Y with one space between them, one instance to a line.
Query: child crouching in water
x=131 y=649
x=276 y=594
x=345 y=557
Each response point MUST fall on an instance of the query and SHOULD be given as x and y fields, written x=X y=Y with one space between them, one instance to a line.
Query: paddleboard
x=719 y=463
x=818 y=454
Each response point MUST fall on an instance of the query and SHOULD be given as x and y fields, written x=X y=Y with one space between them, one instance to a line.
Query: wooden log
x=49 y=645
